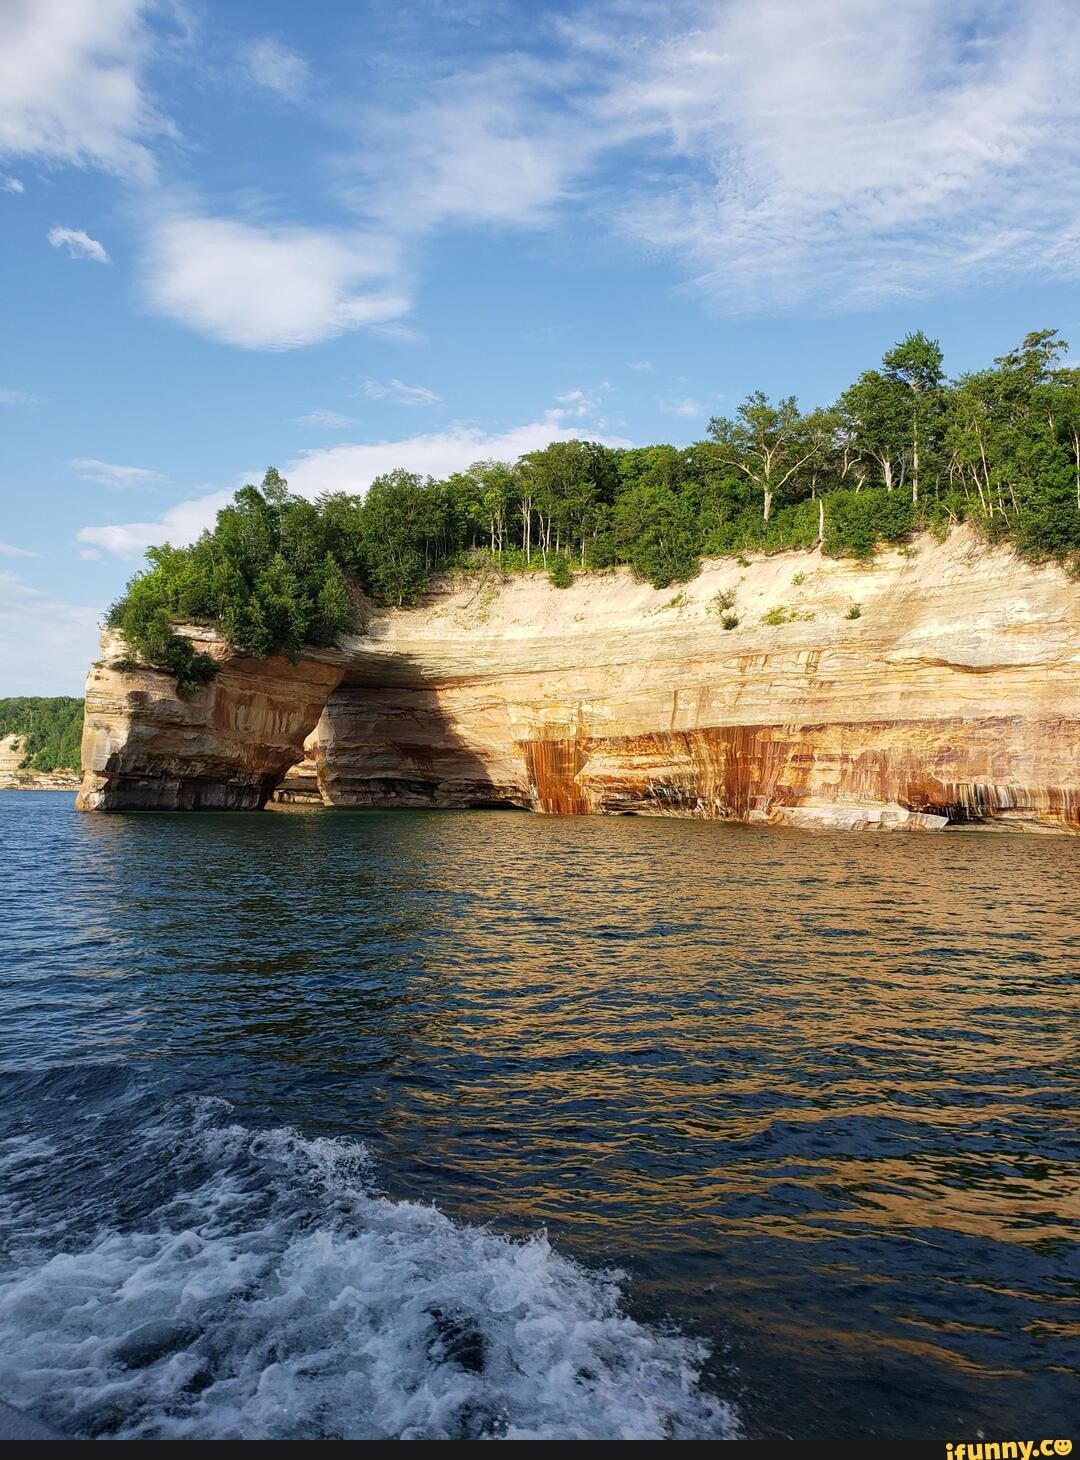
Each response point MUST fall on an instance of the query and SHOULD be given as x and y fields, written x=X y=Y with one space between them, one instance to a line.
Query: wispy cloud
x=277 y=68
x=10 y=184
x=10 y=397
x=71 y=86
x=493 y=145
x=265 y=287
x=111 y=475
x=326 y=420
x=400 y=393
x=45 y=643
x=78 y=244
x=844 y=152
x=684 y=406
x=573 y=405
x=836 y=153
x=7 y=550
x=180 y=525
x=646 y=366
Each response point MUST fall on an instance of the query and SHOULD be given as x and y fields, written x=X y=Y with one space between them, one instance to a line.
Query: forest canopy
x=52 y=727
x=903 y=448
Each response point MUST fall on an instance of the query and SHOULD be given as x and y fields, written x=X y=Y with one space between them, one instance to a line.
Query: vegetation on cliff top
x=902 y=448
x=52 y=727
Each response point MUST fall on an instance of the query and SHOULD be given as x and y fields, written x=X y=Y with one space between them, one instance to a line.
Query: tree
x=768 y=443
x=570 y=483
x=402 y=519
x=874 y=418
x=1066 y=414
x=656 y=534
x=915 y=363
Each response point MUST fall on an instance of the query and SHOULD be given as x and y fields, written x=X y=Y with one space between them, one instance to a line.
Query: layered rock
x=226 y=747
x=939 y=684
x=300 y=785
x=15 y=777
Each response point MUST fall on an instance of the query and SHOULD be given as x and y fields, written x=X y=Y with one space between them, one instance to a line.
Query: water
x=483 y=1124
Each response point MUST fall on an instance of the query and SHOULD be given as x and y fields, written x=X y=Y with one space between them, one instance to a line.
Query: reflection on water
x=816 y=1094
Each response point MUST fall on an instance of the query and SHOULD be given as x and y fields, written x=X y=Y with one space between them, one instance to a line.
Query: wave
x=275 y=1293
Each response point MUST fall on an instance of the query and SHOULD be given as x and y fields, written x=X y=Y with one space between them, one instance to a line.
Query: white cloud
x=847 y=152
x=573 y=405
x=10 y=397
x=353 y=468
x=277 y=68
x=495 y=145
x=8 y=551
x=111 y=475
x=268 y=288
x=642 y=365
x=70 y=85
x=400 y=393
x=45 y=644
x=683 y=406
x=179 y=525
x=326 y=420
x=344 y=468
x=78 y=244
x=10 y=184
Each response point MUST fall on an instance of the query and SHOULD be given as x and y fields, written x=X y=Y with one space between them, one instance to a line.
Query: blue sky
x=339 y=238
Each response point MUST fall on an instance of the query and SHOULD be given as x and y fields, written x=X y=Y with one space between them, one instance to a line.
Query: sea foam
x=278 y=1294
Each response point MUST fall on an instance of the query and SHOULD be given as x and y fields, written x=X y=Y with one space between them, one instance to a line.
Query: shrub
x=729 y=621
x=559 y=571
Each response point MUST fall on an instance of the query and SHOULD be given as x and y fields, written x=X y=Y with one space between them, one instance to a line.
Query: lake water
x=290 y=1102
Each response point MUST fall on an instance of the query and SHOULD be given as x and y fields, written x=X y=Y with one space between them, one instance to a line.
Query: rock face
x=11 y=757
x=14 y=778
x=224 y=748
x=938 y=685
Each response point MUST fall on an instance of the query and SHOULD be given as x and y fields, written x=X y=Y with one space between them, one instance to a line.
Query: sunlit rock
x=951 y=697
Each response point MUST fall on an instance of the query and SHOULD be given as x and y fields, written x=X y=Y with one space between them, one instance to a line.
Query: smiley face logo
x=1062 y=1447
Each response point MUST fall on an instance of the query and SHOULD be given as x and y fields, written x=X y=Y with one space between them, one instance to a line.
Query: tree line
x=51 y=727
x=902 y=448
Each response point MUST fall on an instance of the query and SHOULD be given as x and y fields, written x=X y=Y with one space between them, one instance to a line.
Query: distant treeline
x=902 y=448
x=52 y=727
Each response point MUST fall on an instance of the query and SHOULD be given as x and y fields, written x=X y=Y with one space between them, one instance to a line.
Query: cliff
x=939 y=684
x=14 y=778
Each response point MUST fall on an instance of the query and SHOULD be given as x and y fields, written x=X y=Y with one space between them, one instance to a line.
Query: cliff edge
x=938 y=684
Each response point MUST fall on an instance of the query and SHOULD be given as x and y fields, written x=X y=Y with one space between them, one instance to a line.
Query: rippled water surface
x=289 y=1102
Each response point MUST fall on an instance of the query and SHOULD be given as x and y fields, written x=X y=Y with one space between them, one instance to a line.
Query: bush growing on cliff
x=561 y=574
x=902 y=449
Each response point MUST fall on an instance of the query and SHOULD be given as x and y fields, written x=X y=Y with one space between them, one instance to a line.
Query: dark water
x=815 y=1096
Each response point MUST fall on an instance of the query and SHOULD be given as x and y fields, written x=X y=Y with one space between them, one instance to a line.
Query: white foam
x=281 y=1296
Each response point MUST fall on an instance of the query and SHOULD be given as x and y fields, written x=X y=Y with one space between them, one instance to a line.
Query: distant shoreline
x=43 y=781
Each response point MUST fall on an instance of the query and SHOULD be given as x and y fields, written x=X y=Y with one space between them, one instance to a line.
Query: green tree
x=916 y=365
x=767 y=443
x=874 y=417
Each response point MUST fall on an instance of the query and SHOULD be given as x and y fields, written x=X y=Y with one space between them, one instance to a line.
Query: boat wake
x=273 y=1292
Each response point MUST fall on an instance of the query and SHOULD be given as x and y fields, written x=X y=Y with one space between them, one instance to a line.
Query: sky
x=342 y=238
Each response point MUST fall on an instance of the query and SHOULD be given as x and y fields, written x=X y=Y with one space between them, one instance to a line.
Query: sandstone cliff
x=225 y=748
x=940 y=684
x=14 y=778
